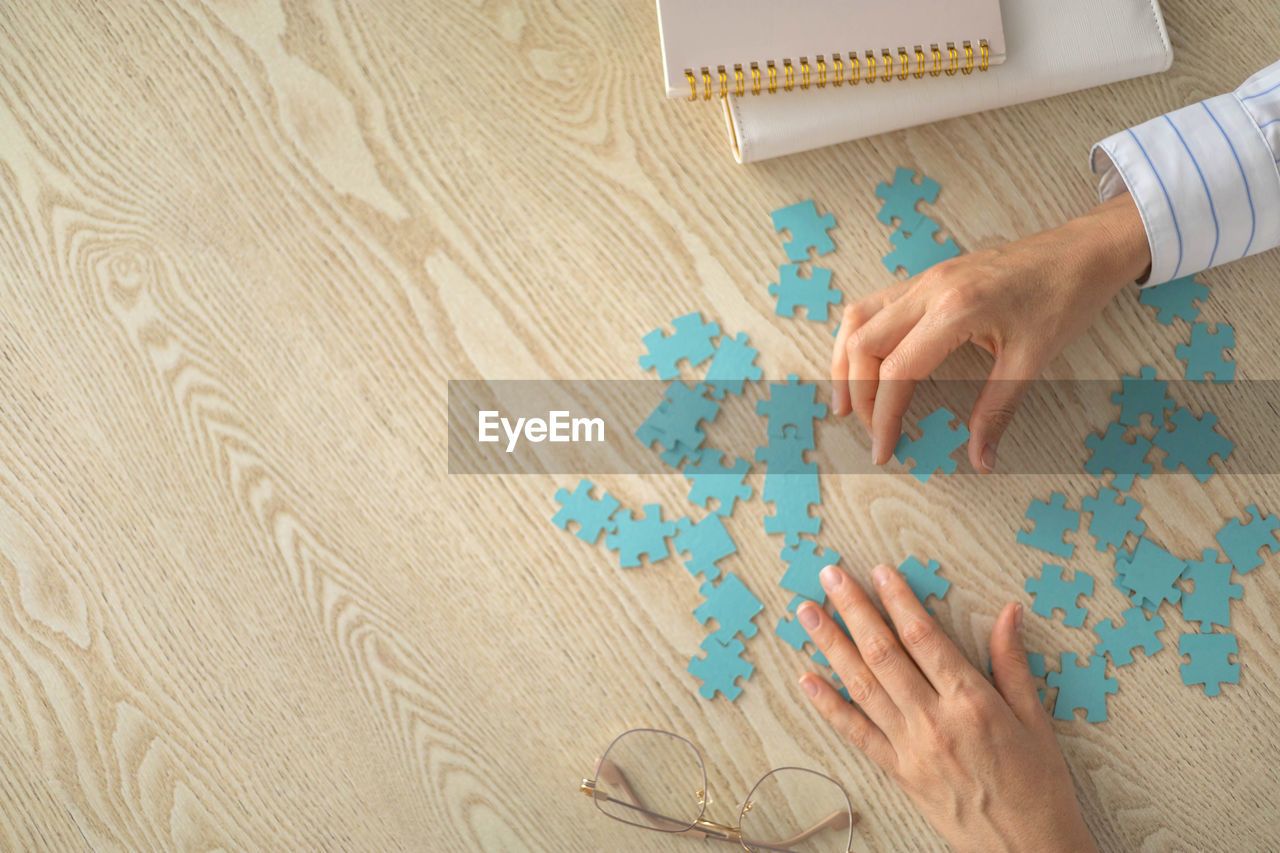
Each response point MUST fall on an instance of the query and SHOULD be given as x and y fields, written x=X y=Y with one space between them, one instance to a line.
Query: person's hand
x=980 y=762
x=1022 y=302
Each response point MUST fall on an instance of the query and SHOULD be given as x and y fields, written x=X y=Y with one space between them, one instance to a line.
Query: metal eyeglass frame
x=608 y=772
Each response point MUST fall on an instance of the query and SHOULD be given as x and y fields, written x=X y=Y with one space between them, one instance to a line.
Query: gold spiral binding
x=914 y=61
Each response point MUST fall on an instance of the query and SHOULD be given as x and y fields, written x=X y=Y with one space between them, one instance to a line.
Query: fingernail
x=875 y=451
x=809 y=616
x=1017 y=618
x=989 y=457
x=831 y=578
x=810 y=686
x=880 y=575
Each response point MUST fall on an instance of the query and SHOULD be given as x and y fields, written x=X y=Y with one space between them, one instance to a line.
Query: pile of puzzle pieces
x=1148 y=574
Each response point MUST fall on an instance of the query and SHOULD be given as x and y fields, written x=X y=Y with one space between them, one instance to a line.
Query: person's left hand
x=981 y=762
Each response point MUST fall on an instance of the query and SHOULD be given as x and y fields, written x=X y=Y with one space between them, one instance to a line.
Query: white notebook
x=716 y=47
x=1053 y=47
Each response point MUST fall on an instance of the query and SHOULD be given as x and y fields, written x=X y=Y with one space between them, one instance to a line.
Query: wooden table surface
x=243 y=605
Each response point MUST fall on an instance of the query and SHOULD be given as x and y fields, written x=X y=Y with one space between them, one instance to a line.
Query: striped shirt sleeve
x=1204 y=177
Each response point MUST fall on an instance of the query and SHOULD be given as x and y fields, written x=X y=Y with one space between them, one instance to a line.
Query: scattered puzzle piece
x=677 y=455
x=678 y=418
x=720 y=668
x=813 y=292
x=634 y=537
x=592 y=516
x=1122 y=458
x=1138 y=631
x=792 y=404
x=732 y=364
x=1241 y=542
x=902 y=196
x=713 y=480
x=1175 y=298
x=706 y=543
x=792 y=633
x=1150 y=574
x=808 y=230
x=791 y=516
x=916 y=251
x=1210 y=664
x=923 y=579
x=732 y=605
x=1052 y=591
x=932 y=451
x=1190 y=441
x=804 y=562
x=1080 y=687
x=1052 y=521
x=1142 y=395
x=1209 y=600
x=1204 y=354
x=692 y=341
x=1111 y=521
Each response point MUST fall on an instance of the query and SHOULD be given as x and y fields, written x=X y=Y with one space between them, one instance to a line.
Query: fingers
x=993 y=410
x=1009 y=666
x=917 y=354
x=933 y=651
x=844 y=658
x=848 y=720
x=867 y=348
x=876 y=644
x=845 y=356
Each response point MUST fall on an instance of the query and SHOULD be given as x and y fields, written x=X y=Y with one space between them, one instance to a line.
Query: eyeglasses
x=657 y=780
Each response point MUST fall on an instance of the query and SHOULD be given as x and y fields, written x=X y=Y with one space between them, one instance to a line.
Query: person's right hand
x=1022 y=302
x=980 y=762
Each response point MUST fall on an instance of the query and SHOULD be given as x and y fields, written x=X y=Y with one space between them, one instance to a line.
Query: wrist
x=1114 y=243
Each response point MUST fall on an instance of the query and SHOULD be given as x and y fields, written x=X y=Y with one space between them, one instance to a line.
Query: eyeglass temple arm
x=608 y=772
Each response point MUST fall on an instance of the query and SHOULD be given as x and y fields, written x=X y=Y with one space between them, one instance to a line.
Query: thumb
x=1009 y=666
x=993 y=410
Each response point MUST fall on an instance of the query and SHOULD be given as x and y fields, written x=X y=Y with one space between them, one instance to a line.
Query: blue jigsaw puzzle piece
x=645 y=536
x=804 y=562
x=691 y=341
x=1204 y=354
x=1175 y=298
x=731 y=366
x=808 y=230
x=1210 y=661
x=1142 y=395
x=1082 y=687
x=706 y=543
x=1052 y=521
x=1052 y=591
x=813 y=292
x=792 y=404
x=710 y=479
x=678 y=418
x=1149 y=576
x=791 y=510
x=792 y=633
x=916 y=251
x=932 y=451
x=731 y=604
x=1190 y=441
x=1138 y=631
x=720 y=668
x=1209 y=599
x=1122 y=458
x=677 y=455
x=1112 y=522
x=901 y=197
x=924 y=579
x=592 y=516
x=1241 y=542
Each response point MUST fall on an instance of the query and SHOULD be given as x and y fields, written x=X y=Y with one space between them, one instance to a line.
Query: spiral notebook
x=1054 y=47
x=724 y=47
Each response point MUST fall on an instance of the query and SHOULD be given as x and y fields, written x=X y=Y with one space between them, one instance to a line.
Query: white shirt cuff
x=1204 y=180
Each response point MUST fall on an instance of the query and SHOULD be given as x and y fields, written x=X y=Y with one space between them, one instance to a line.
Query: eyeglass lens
x=797 y=810
x=652 y=779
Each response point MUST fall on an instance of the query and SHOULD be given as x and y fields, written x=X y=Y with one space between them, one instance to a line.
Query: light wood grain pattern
x=242 y=605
